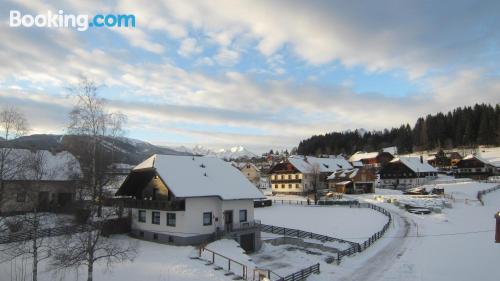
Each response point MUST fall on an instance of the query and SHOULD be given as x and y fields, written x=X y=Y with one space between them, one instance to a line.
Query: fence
x=46 y=232
x=111 y=226
x=354 y=247
x=483 y=192
x=302 y=274
x=303 y=234
x=319 y=202
x=229 y=261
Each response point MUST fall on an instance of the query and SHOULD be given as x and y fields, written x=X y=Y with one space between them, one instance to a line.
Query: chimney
x=421 y=159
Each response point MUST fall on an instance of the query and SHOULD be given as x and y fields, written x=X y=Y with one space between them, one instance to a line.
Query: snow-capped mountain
x=229 y=153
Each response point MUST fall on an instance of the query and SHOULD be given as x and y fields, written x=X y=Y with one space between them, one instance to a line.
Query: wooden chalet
x=474 y=167
x=353 y=181
x=406 y=172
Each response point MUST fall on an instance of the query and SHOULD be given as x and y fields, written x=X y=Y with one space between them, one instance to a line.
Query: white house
x=190 y=200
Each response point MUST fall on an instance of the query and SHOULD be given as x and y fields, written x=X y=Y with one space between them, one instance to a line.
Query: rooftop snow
x=60 y=166
x=195 y=176
x=326 y=165
x=414 y=164
x=358 y=156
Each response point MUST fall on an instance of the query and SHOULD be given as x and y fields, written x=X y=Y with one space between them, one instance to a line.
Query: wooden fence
x=230 y=262
x=291 y=232
x=354 y=247
x=319 y=202
x=485 y=191
x=111 y=226
x=302 y=274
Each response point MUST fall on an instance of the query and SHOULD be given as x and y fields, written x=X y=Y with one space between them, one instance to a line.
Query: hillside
x=124 y=150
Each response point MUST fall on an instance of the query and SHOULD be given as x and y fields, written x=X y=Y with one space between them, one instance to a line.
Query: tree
x=33 y=168
x=97 y=128
x=315 y=173
x=87 y=248
x=13 y=124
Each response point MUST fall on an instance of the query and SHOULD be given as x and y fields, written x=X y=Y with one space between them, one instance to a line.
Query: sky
x=261 y=74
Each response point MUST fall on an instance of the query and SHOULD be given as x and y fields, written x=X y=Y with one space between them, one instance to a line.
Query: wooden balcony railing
x=162 y=205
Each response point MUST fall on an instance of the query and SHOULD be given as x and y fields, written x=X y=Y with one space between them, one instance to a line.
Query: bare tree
x=13 y=124
x=87 y=248
x=315 y=173
x=98 y=128
x=34 y=168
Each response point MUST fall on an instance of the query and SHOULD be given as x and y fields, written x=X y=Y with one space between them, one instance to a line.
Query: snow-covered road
x=374 y=267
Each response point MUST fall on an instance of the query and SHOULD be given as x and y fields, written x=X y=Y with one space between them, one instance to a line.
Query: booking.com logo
x=60 y=19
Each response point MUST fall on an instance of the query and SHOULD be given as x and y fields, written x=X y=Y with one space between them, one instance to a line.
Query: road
x=374 y=268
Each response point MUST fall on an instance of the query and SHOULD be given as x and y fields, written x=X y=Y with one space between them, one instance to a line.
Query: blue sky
x=263 y=74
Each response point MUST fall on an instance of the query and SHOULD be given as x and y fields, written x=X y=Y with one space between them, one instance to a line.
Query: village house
x=301 y=174
x=353 y=181
x=444 y=160
x=186 y=200
x=51 y=188
x=371 y=159
x=475 y=167
x=251 y=172
x=406 y=172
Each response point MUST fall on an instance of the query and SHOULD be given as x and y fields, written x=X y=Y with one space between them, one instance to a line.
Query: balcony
x=162 y=205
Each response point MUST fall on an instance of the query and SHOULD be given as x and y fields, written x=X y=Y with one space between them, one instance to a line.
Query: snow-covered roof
x=414 y=164
x=195 y=176
x=306 y=164
x=349 y=173
x=490 y=160
x=360 y=155
x=392 y=150
x=343 y=183
x=60 y=166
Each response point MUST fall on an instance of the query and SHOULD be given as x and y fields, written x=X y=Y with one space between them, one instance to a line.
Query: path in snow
x=374 y=268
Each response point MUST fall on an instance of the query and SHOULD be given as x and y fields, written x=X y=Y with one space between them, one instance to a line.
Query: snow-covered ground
x=352 y=224
x=155 y=262
x=457 y=244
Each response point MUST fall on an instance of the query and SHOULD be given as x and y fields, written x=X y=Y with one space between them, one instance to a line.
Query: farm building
x=39 y=179
x=353 y=181
x=189 y=200
x=371 y=159
x=405 y=172
x=475 y=167
x=301 y=174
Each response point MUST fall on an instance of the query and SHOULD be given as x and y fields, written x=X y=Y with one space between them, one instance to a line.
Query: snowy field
x=456 y=245
x=154 y=262
x=352 y=224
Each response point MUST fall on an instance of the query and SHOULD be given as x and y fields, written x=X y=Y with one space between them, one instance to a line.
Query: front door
x=228 y=220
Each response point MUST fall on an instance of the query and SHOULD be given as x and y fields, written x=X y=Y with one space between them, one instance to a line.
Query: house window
x=142 y=216
x=155 y=217
x=21 y=197
x=207 y=218
x=243 y=215
x=171 y=219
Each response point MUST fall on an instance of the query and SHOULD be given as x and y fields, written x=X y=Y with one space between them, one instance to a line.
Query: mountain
x=234 y=153
x=125 y=150
x=228 y=154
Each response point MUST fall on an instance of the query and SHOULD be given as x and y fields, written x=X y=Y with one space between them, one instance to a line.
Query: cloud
x=188 y=47
x=227 y=57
